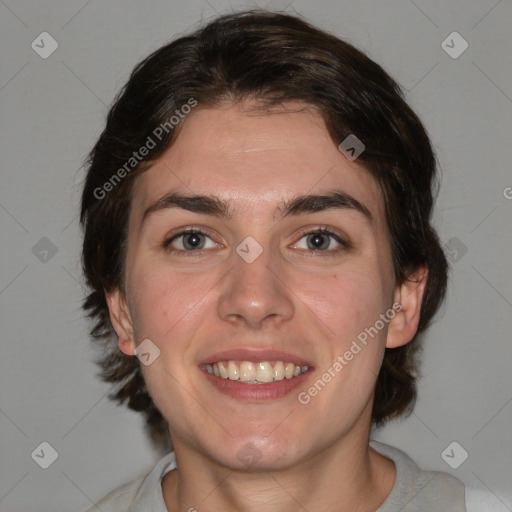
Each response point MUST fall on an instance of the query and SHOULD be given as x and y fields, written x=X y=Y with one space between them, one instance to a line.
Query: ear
x=404 y=325
x=121 y=321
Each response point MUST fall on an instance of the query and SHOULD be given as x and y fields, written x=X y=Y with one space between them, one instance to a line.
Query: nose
x=255 y=294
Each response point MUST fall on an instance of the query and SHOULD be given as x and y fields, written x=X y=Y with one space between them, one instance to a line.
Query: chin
x=253 y=453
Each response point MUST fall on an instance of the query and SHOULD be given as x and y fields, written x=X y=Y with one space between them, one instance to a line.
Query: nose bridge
x=253 y=291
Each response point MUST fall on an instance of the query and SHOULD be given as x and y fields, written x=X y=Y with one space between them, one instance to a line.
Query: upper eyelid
x=205 y=231
x=339 y=239
x=185 y=231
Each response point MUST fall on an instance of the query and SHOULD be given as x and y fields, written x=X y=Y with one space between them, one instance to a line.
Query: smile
x=249 y=372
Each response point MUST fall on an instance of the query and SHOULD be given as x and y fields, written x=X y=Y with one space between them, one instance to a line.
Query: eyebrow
x=300 y=205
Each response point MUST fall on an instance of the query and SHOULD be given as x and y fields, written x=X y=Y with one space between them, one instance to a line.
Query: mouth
x=260 y=372
x=255 y=375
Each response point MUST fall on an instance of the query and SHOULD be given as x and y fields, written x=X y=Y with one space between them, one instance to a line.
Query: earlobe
x=409 y=295
x=121 y=321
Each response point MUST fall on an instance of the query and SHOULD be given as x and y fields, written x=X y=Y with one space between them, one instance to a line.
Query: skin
x=307 y=302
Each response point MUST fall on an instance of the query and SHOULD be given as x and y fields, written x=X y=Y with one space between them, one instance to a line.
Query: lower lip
x=256 y=392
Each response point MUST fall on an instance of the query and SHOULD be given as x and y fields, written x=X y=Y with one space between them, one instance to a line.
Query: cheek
x=166 y=303
x=349 y=303
x=346 y=302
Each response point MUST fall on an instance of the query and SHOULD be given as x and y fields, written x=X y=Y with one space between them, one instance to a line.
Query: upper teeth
x=252 y=373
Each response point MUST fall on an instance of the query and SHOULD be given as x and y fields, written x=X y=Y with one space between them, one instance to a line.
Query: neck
x=347 y=477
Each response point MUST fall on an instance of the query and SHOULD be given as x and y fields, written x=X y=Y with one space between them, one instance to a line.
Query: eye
x=189 y=240
x=322 y=240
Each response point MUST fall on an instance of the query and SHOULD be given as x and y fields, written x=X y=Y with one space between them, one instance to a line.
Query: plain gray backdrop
x=54 y=108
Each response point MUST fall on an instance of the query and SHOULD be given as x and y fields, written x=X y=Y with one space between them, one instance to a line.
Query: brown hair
x=273 y=58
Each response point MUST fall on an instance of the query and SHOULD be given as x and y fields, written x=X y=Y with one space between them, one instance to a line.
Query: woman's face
x=286 y=260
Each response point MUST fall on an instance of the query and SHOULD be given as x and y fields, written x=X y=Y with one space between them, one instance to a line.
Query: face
x=258 y=252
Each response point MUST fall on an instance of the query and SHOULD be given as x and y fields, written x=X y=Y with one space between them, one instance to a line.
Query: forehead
x=255 y=159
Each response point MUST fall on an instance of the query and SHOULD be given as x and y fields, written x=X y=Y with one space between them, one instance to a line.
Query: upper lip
x=255 y=355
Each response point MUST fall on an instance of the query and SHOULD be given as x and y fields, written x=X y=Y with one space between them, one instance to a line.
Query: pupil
x=318 y=241
x=192 y=241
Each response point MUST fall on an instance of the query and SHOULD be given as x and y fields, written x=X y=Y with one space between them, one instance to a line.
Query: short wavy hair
x=273 y=58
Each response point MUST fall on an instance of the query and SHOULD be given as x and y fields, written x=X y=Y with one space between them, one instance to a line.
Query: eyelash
x=345 y=245
x=197 y=253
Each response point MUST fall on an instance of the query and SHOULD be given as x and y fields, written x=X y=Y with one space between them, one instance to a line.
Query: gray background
x=53 y=109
